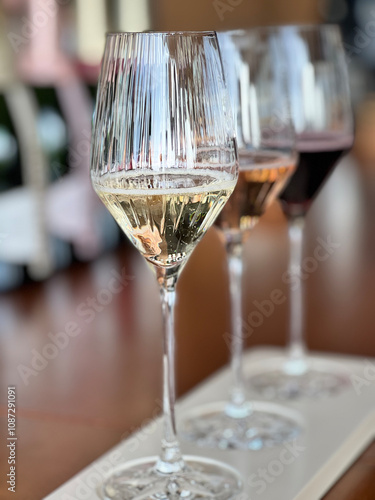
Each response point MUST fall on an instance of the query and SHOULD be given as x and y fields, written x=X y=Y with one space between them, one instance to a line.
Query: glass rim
x=274 y=27
x=166 y=33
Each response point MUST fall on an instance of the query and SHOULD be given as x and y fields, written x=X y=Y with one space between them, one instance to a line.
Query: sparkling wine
x=165 y=214
x=262 y=175
x=318 y=155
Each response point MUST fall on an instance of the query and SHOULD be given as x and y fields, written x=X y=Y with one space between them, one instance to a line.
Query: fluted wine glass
x=267 y=156
x=322 y=116
x=164 y=162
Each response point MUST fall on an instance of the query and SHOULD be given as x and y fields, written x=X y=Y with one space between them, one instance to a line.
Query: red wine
x=318 y=155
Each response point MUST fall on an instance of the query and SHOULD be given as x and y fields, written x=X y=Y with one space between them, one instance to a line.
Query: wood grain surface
x=106 y=380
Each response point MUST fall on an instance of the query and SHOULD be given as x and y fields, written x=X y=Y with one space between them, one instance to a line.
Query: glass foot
x=201 y=478
x=295 y=380
x=265 y=426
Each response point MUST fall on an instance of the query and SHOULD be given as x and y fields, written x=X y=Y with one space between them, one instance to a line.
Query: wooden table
x=106 y=380
x=359 y=481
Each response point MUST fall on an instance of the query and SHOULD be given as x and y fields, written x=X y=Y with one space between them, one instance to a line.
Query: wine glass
x=164 y=162
x=267 y=156
x=322 y=116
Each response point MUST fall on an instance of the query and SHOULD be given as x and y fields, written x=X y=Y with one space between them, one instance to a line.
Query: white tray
x=336 y=431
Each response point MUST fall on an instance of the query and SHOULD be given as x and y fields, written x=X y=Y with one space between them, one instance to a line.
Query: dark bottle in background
x=10 y=166
x=64 y=130
x=11 y=273
x=24 y=247
x=42 y=67
x=91 y=26
x=51 y=212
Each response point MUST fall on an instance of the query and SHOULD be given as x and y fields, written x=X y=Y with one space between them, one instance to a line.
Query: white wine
x=262 y=176
x=165 y=214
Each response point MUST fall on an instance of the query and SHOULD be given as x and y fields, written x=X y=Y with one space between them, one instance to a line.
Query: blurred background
x=59 y=248
x=50 y=52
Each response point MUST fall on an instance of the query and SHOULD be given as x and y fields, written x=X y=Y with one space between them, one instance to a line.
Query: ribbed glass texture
x=164 y=162
x=162 y=104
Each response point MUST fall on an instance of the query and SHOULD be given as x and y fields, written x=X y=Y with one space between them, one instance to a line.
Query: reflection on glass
x=164 y=162
x=321 y=112
x=267 y=159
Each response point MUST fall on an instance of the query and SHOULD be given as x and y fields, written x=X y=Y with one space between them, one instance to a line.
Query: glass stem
x=297 y=363
x=237 y=407
x=170 y=460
